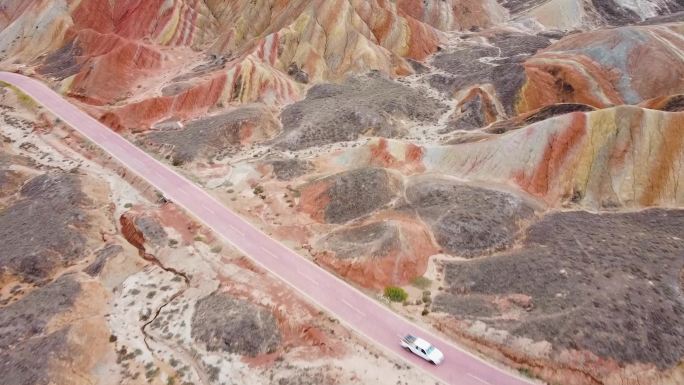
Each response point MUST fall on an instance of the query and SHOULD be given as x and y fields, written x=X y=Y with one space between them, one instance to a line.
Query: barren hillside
x=514 y=165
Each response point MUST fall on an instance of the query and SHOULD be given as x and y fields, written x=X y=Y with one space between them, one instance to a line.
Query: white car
x=423 y=349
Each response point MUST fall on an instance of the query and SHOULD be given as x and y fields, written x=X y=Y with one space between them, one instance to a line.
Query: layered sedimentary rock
x=458 y=141
x=104 y=53
x=571 y=14
x=517 y=73
x=455 y=14
x=390 y=228
x=607 y=67
x=624 y=156
x=390 y=249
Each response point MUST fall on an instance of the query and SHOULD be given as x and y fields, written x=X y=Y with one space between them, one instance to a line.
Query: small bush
x=173 y=242
x=216 y=249
x=128 y=205
x=425 y=312
x=421 y=282
x=199 y=238
x=112 y=338
x=526 y=372
x=150 y=374
x=395 y=294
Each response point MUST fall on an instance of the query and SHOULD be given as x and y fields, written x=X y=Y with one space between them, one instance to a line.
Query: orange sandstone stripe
x=556 y=154
x=669 y=154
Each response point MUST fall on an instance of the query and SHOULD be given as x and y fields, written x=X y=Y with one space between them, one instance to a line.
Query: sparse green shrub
x=216 y=249
x=395 y=294
x=150 y=374
x=258 y=190
x=421 y=282
x=425 y=312
x=213 y=372
x=128 y=205
x=199 y=238
x=526 y=372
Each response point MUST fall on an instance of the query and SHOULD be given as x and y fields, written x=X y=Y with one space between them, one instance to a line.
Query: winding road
x=369 y=318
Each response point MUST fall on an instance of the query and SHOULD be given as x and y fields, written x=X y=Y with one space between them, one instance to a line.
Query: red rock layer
x=410 y=163
x=130 y=231
x=113 y=66
x=606 y=67
x=453 y=14
x=133 y=47
x=398 y=266
x=557 y=152
x=623 y=156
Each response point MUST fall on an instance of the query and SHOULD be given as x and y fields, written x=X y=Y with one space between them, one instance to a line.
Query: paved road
x=363 y=314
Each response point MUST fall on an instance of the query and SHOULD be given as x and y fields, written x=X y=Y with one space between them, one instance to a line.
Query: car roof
x=421 y=343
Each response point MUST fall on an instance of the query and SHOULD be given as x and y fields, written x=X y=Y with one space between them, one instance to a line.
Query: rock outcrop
x=349 y=195
x=465 y=220
x=368 y=105
x=234 y=325
x=391 y=249
x=43 y=229
x=617 y=157
x=581 y=281
x=214 y=135
x=606 y=67
x=103 y=53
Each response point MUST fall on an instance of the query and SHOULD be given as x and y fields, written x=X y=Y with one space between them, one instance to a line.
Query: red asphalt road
x=364 y=315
